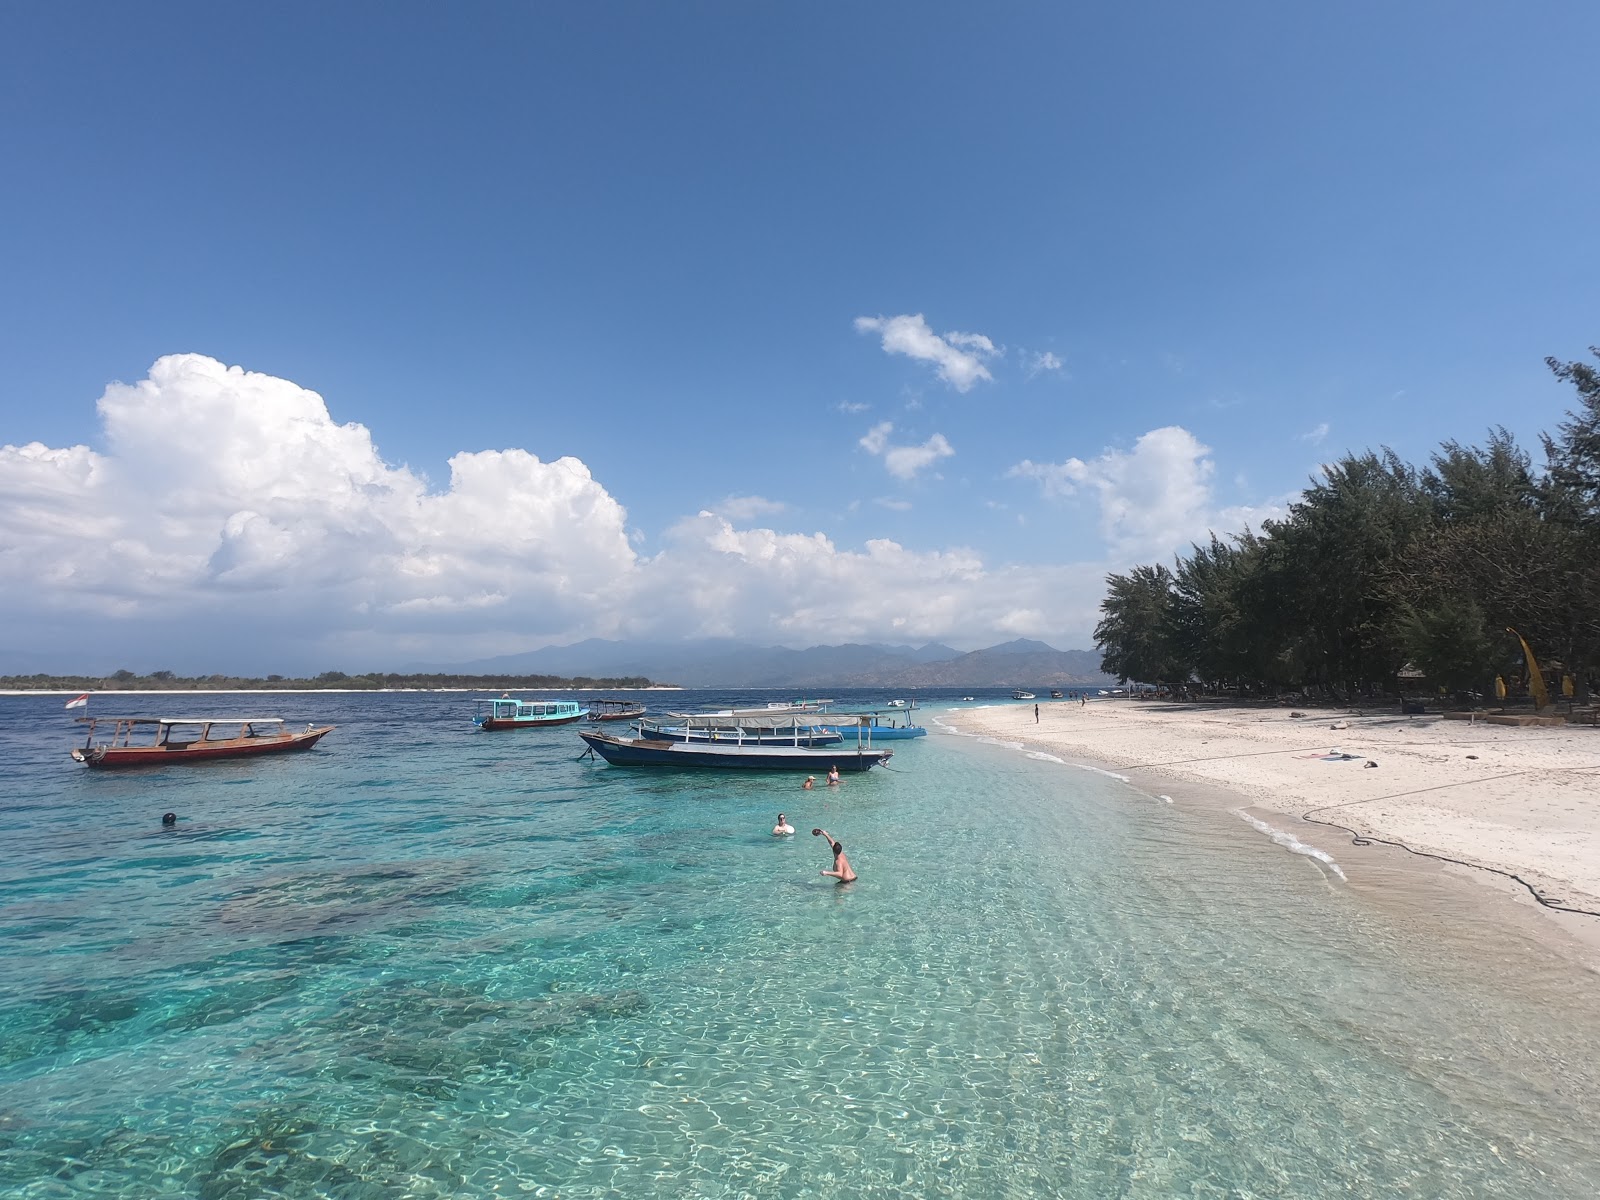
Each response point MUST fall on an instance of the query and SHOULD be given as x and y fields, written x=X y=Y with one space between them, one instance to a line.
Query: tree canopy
x=1380 y=567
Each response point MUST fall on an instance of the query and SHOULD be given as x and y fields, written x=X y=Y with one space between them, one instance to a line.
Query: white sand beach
x=1524 y=801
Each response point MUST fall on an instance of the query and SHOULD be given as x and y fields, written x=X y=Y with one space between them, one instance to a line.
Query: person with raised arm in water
x=841 y=865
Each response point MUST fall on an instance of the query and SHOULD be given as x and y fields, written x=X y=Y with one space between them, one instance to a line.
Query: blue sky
x=935 y=312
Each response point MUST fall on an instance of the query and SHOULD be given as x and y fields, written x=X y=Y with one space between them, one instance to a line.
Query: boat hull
x=879 y=733
x=109 y=757
x=648 y=752
x=629 y=714
x=502 y=724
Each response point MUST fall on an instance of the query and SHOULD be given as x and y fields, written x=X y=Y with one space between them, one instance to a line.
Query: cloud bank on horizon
x=230 y=523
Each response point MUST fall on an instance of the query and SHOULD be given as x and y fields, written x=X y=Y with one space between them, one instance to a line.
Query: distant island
x=694 y=663
x=329 y=681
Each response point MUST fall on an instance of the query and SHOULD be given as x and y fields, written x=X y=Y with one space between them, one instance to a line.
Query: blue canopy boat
x=498 y=713
x=874 y=727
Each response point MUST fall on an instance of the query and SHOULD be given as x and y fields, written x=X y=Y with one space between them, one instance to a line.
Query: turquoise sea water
x=425 y=961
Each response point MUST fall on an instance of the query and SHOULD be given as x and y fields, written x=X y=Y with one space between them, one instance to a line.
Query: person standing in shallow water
x=841 y=865
x=782 y=828
x=833 y=775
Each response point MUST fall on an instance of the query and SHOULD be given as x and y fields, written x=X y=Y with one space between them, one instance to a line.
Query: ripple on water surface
x=423 y=961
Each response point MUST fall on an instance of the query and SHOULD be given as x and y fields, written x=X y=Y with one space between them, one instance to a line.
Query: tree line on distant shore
x=1381 y=566
x=166 y=681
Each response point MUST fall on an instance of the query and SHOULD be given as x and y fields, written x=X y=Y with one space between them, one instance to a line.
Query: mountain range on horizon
x=728 y=662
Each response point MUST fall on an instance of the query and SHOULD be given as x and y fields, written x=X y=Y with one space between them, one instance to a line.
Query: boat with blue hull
x=754 y=729
x=802 y=736
x=874 y=727
x=499 y=713
x=656 y=752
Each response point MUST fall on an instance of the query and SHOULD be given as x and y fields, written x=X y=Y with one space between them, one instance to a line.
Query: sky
x=345 y=337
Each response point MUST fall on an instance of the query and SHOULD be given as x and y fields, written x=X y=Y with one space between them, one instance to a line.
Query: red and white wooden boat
x=160 y=741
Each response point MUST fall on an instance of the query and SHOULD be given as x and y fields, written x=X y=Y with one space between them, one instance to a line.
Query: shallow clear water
x=425 y=961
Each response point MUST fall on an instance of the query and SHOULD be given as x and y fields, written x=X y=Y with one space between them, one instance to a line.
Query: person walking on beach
x=1035 y=714
x=841 y=865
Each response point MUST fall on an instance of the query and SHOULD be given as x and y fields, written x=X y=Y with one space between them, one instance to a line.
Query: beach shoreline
x=1501 y=801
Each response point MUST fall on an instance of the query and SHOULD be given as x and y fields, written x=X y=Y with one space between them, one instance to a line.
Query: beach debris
x=1472 y=756
x=1370 y=763
x=1292 y=715
x=1340 y=725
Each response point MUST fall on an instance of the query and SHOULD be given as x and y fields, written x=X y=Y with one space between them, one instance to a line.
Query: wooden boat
x=655 y=752
x=159 y=741
x=615 y=710
x=498 y=713
x=792 y=730
x=1019 y=694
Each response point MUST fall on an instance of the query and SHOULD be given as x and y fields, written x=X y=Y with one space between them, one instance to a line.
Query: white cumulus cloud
x=230 y=499
x=903 y=462
x=1154 y=499
x=957 y=357
x=227 y=521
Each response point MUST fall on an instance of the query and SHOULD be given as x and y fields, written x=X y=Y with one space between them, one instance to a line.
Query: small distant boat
x=1019 y=694
x=615 y=710
x=1055 y=693
x=897 y=704
x=159 y=741
x=498 y=713
x=966 y=697
x=657 y=752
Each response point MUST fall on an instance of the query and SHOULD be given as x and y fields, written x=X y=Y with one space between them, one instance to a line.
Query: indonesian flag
x=79 y=701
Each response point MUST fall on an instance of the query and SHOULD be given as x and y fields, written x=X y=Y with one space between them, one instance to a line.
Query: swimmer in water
x=782 y=828
x=811 y=782
x=841 y=865
x=833 y=776
x=168 y=820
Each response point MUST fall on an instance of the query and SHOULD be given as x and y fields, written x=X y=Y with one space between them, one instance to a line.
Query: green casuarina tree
x=1570 y=498
x=1452 y=644
x=1574 y=457
x=1477 y=567
x=1343 y=553
x=1210 y=627
x=1378 y=564
x=1135 y=636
